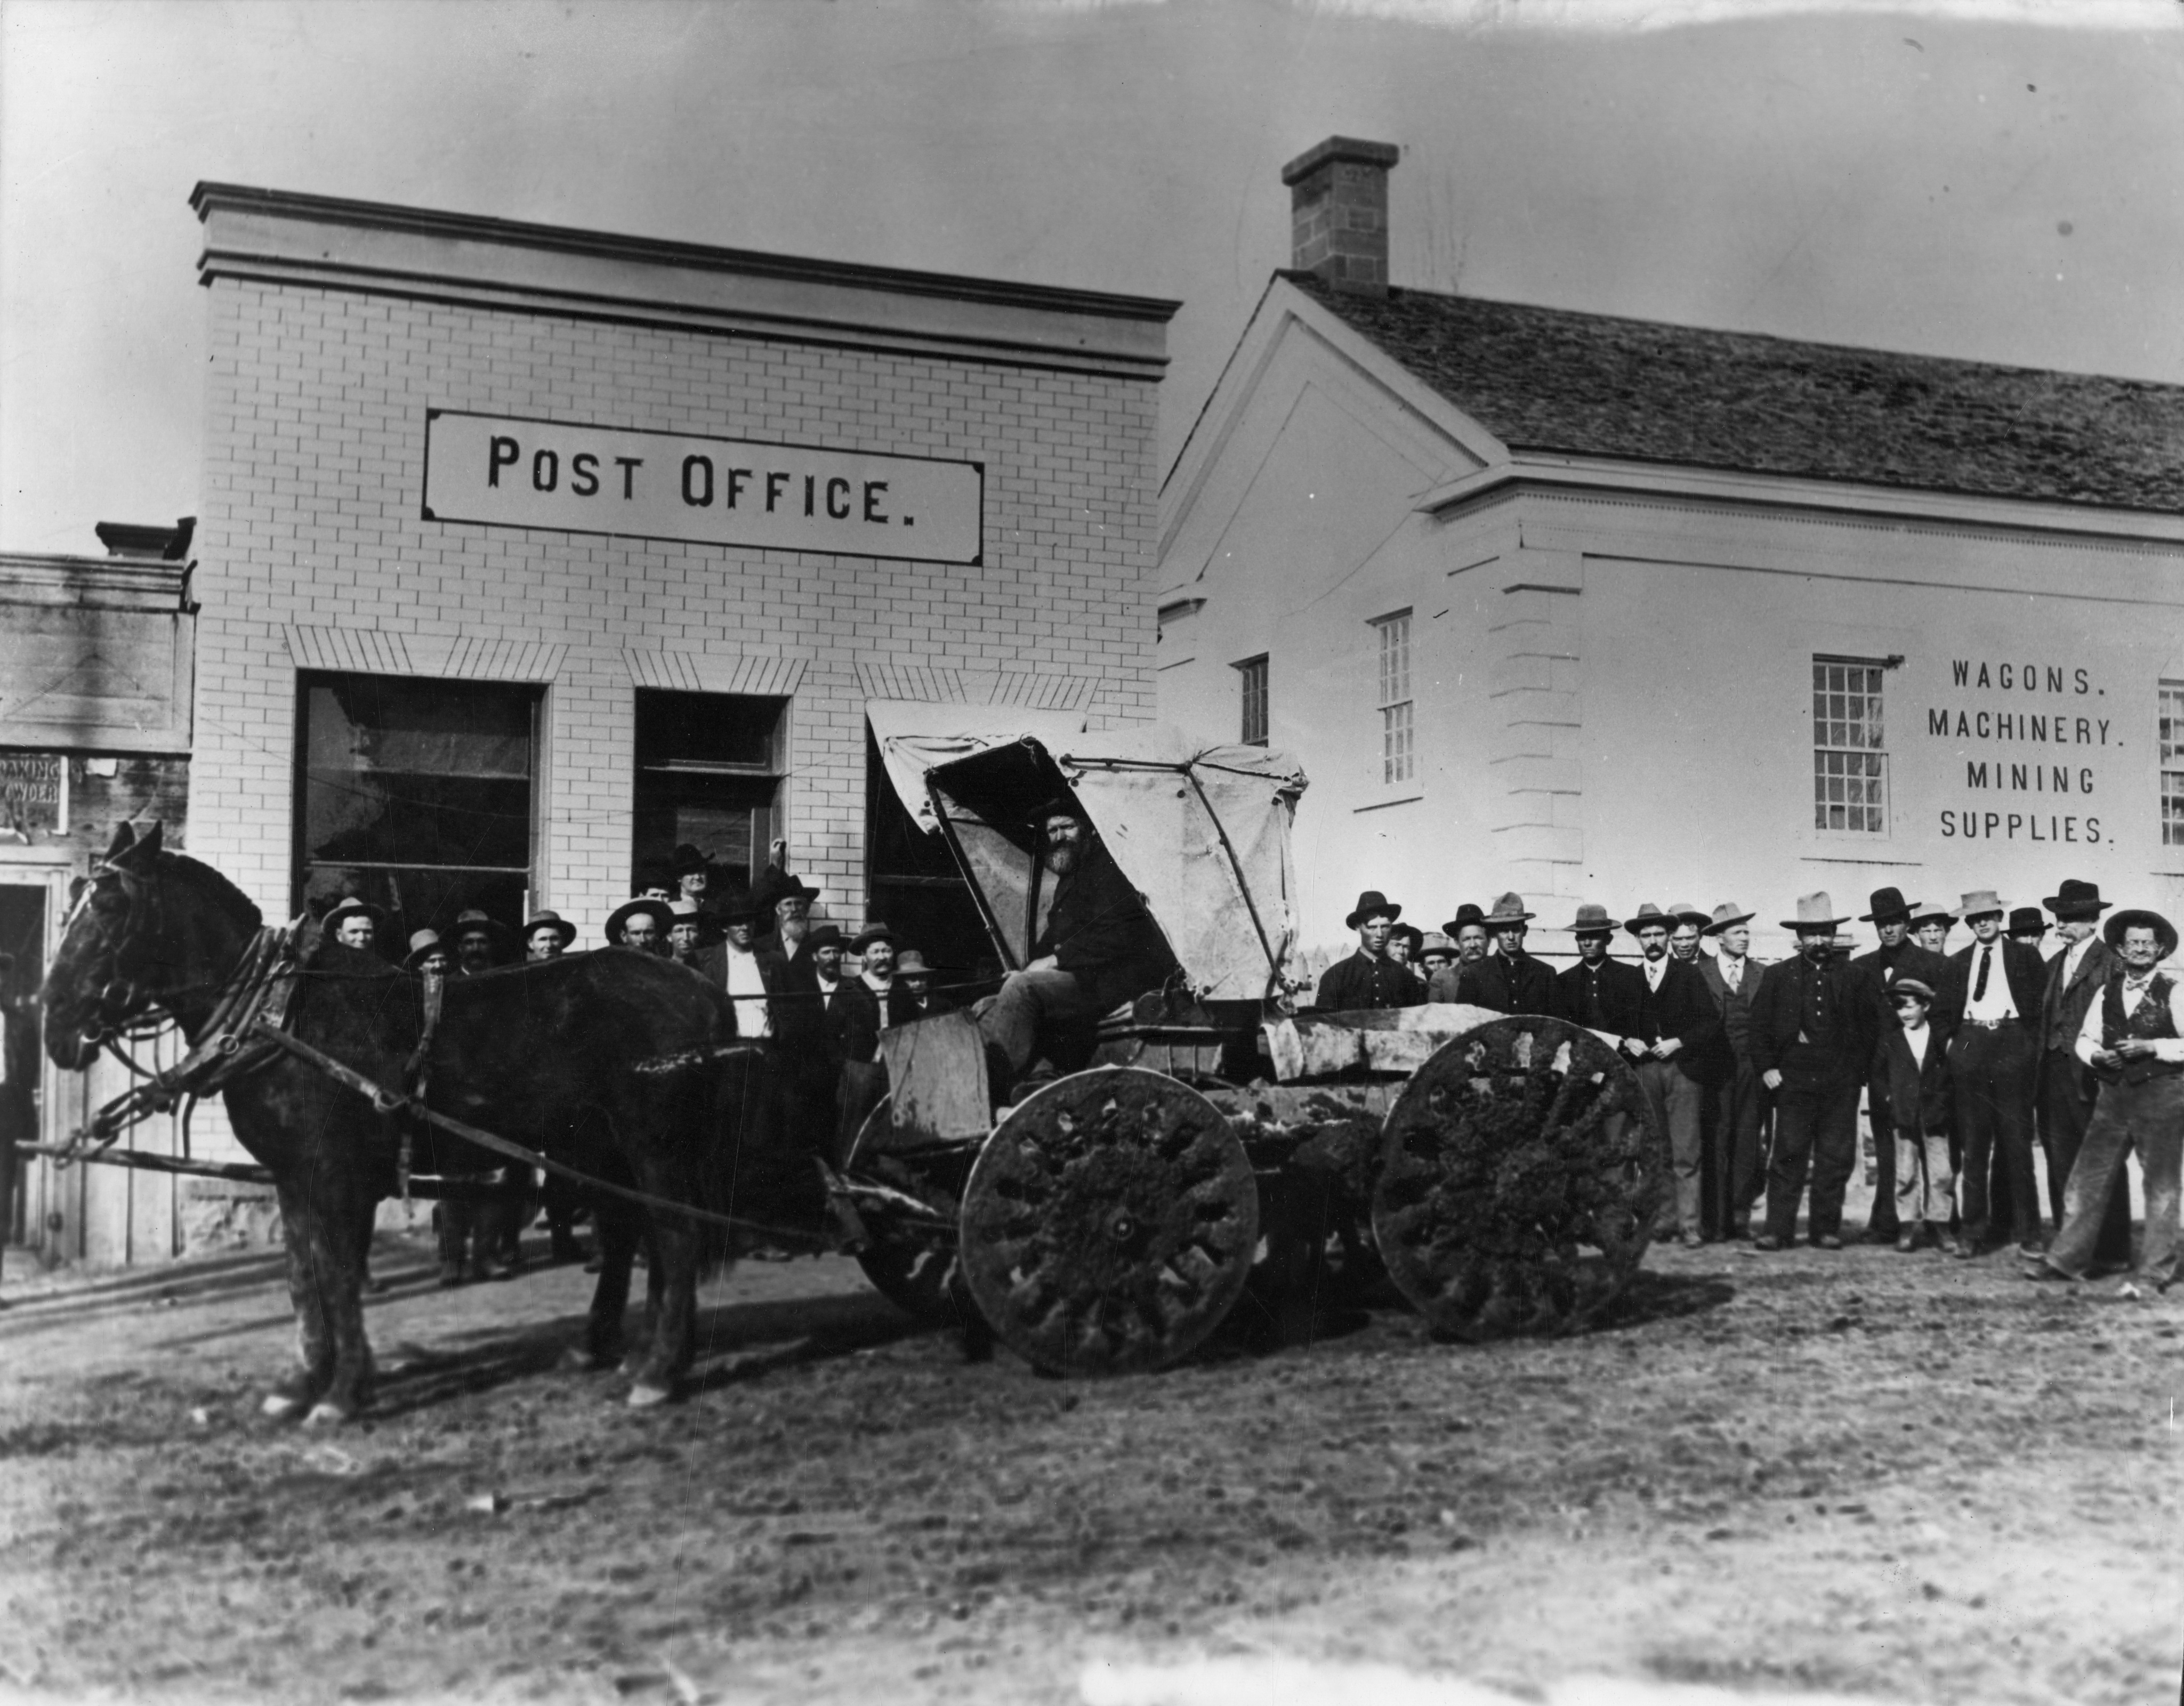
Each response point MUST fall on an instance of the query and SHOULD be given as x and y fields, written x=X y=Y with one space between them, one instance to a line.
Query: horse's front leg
x=315 y=1347
x=618 y=1227
x=344 y=1249
x=672 y=1287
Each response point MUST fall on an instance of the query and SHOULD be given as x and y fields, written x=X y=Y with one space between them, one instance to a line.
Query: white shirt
x=1731 y=968
x=2090 y=1034
x=1656 y=970
x=747 y=989
x=827 y=986
x=1996 y=1002
x=1919 y=1039
x=2074 y=956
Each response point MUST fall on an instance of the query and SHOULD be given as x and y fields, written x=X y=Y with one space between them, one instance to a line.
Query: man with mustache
x=2065 y=1088
x=1677 y=1024
x=1736 y=1112
x=1993 y=992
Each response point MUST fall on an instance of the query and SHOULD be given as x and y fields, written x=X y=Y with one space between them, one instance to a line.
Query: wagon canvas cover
x=1202 y=833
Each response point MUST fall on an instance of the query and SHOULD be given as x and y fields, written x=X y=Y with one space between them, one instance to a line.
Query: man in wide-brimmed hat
x=2027 y=925
x=481 y=942
x=1436 y=954
x=1599 y=992
x=1898 y=957
x=754 y=977
x=1815 y=1026
x=913 y=976
x=1677 y=1023
x=1404 y=941
x=427 y=955
x=687 y=934
x=354 y=923
x=546 y=935
x=1931 y=927
x=1468 y=931
x=1508 y=979
x=2064 y=1088
x=1368 y=979
x=642 y=924
x=1993 y=993
x=2133 y=1037
x=1737 y=1115
x=784 y=903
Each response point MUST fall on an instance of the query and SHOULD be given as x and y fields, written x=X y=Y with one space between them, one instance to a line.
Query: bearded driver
x=1100 y=948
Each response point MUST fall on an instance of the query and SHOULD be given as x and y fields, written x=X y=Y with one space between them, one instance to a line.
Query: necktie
x=1987 y=959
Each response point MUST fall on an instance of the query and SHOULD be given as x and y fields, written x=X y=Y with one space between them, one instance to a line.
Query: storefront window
x=1850 y=769
x=709 y=766
x=2172 y=763
x=417 y=797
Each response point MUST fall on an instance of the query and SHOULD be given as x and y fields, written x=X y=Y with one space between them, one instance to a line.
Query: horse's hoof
x=575 y=1360
x=326 y=1414
x=643 y=1395
x=632 y=1365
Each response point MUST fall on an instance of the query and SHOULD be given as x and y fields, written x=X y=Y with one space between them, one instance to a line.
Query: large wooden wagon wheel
x=1109 y=1223
x=1521 y=1171
x=912 y=1268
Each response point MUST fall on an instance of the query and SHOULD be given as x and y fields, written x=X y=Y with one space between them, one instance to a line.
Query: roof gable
x=1594 y=384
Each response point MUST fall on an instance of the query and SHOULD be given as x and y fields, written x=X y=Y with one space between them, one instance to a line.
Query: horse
x=615 y=1063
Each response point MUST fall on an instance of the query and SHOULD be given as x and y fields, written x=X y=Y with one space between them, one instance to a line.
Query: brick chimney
x=1339 y=211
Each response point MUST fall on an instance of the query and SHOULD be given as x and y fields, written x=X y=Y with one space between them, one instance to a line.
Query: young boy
x=1919 y=1100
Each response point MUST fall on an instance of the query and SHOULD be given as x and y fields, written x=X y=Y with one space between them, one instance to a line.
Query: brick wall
x=314 y=459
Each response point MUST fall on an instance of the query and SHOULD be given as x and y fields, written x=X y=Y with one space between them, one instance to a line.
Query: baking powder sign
x=506 y=472
x=33 y=793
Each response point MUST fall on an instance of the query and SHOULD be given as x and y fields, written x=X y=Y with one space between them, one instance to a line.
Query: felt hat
x=1685 y=912
x=911 y=962
x=826 y=936
x=1815 y=911
x=687 y=858
x=1410 y=933
x=1887 y=905
x=544 y=919
x=737 y=909
x=469 y=919
x=1508 y=909
x=1912 y=986
x=1371 y=905
x=1726 y=916
x=1061 y=804
x=1592 y=920
x=2165 y=933
x=349 y=906
x=1940 y=914
x=1435 y=942
x=657 y=910
x=654 y=876
x=1466 y=915
x=1648 y=915
x=869 y=935
x=422 y=942
x=2025 y=919
x=2075 y=899
x=1979 y=903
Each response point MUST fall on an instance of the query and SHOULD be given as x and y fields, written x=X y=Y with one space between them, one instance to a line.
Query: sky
x=2001 y=180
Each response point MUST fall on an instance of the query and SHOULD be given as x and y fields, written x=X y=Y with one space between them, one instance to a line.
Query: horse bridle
x=124 y=998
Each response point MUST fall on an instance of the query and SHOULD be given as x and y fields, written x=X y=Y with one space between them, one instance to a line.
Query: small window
x=417 y=796
x=2172 y=763
x=1252 y=678
x=1850 y=763
x=708 y=768
x=1396 y=761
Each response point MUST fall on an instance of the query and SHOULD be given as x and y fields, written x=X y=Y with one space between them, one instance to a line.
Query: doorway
x=22 y=972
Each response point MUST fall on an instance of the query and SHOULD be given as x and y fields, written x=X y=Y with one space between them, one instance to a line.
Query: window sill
x=1409 y=797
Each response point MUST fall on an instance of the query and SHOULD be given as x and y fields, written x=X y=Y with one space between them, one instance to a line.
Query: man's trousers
x=2148 y=1118
x=1031 y=1003
x=1815 y=1126
x=1676 y=1102
x=1882 y=1222
x=1736 y=1146
x=1992 y=1066
x=2066 y=1108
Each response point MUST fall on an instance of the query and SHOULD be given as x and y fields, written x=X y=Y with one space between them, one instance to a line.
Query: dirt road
x=1894 y=1476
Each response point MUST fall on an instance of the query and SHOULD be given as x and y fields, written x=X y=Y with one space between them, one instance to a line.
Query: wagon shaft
x=1520 y=1176
x=1109 y=1223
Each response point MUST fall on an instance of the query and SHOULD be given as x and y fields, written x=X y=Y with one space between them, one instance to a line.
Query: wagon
x=1505 y=1168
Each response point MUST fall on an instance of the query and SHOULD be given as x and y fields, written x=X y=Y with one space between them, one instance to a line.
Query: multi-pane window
x=2172 y=763
x=1251 y=677
x=708 y=768
x=1397 y=760
x=1850 y=763
x=416 y=797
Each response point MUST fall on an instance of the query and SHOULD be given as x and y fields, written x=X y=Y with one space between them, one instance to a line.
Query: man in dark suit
x=1736 y=1105
x=1508 y=979
x=806 y=986
x=2063 y=1086
x=870 y=1002
x=1677 y=1024
x=1369 y=979
x=1899 y=957
x=1599 y=992
x=753 y=977
x=1994 y=992
x=1813 y=1027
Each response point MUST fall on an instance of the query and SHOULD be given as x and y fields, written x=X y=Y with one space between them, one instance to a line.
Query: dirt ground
x=1870 y=1474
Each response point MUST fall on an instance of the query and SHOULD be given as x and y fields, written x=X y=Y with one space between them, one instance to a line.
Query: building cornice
x=281 y=237
x=103 y=583
x=1599 y=477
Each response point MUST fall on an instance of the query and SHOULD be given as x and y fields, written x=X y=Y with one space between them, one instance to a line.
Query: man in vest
x=1736 y=1104
x=1993 y=994
x=2064 y=1089
x=1899 y=957
x=1813 y=1026
x=1369 y=979
x=1676 y=1023
x=2133 y=1037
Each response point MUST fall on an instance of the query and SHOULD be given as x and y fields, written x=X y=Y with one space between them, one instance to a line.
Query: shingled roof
x=1592 y=385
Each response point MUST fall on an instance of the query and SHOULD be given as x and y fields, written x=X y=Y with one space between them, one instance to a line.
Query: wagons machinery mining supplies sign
x=578 y=479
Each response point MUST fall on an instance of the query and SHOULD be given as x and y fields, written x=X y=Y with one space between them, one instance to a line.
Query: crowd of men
x=1970 y=1063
